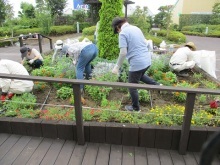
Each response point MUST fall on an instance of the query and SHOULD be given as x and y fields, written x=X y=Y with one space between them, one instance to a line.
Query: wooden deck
x=27 y=150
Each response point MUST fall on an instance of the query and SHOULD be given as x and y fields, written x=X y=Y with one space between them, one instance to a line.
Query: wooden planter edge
x=160 y=137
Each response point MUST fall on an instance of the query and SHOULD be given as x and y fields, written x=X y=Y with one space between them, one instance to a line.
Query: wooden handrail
x=189 y=105
x=39 y=37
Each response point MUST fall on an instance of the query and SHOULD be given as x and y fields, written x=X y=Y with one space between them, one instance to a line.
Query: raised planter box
x=112 y=133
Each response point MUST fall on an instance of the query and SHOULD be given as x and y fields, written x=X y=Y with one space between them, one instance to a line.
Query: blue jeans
x=135 y=77
x=83 y=65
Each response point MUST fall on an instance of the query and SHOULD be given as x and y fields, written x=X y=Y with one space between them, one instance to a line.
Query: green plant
x=46 y=71
x=39 y=85
x=197 y=76
x=24 y=101
x=89 y=31
x=144 y=95
x=202 y=98
x=209 y=84
x=159 y=65
x=98 y=92
x=110 y=105
x=181 y=96
x=201 y=118
x=64 y=93
x=57 y=113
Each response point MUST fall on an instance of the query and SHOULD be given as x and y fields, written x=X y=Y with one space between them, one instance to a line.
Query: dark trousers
x=135 y=77
x=36 y=64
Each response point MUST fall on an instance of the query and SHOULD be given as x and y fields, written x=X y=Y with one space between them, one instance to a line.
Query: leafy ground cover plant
x=64 y=92
x=21 y=105
x=106 y=103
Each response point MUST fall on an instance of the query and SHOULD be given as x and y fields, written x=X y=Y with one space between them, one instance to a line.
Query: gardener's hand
x=31 y=61
x=115 y=70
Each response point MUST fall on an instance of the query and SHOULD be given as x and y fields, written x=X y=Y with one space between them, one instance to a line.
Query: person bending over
x=132 y=46
x=10 y=87
x=181 y=61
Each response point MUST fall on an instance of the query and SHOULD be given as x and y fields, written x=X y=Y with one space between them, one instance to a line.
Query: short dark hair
x=117 y=23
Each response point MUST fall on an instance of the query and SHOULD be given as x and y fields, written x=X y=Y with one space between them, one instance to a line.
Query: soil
x=49 y=98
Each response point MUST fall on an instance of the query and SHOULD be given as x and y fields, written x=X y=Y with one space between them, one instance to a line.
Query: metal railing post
x=78 y=115
x=39 y=42
x=190 y=101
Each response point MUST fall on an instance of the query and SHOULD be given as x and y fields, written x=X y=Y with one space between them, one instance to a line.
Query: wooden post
x=51 y=44
x=39 y=42
x=78 y=115
x=190 y=101
x=20 y=41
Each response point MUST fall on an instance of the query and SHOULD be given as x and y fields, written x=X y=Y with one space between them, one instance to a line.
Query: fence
x=39 y=38
x=189 y=104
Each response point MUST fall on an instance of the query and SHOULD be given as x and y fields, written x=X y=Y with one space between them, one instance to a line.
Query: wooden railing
x=10 y=39
x=189 y=104
x=39 y=38
x=20 y=39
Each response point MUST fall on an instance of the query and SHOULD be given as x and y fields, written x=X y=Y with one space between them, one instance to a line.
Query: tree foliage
x=44 y=16
x=216 y=14
x=163 y=18
x=5 y=11
x=107 y=40
x=57 y=6
x=141 y=19
x=79 y=15
x=28 y=10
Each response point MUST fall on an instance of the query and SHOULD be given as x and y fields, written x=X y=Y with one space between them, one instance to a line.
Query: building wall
x=198 y=6
x=192 y=7
x=177 y=10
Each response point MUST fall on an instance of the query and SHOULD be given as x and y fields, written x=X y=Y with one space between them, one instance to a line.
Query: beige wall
x=192 y=6
x=176 y=11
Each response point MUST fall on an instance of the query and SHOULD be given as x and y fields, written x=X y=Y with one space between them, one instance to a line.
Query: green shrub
x=26 y=31
x=173 y=36
x=199 y=30
x=84 y=25
x=90 y=37
x=177 y=37
x=4 y=32
x=156 y=40
x=60 y=30
x=89 y=30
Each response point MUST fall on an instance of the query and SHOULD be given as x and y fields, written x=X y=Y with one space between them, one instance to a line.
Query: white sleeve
x=4 y=83
x=122 y=55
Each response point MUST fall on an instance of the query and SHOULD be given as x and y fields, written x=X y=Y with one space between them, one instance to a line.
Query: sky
x=153 y=5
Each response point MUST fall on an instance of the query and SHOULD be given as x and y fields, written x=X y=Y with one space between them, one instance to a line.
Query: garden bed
x=106 y=104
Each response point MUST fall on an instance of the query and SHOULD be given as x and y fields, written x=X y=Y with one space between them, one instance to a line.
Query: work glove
x=74 y=62
x=115 y=70
x=31 y=61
